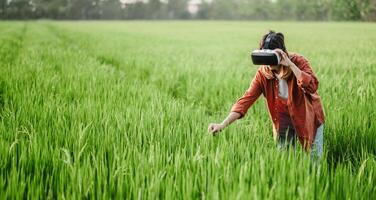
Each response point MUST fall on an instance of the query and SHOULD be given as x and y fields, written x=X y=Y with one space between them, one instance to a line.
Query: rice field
x=119 y=110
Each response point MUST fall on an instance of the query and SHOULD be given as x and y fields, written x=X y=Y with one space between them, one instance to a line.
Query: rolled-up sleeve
x=308 y=80
x=249 y=97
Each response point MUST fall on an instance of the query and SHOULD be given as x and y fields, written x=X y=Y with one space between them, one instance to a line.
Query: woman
x=290 y=90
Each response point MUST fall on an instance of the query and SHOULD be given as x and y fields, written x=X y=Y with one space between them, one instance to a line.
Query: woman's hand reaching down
x=215 y=128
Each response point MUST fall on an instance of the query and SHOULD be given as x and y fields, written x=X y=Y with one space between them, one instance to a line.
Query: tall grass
x=120 y=110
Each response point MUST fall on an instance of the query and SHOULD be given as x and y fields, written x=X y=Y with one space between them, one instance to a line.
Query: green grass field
x=109 y=110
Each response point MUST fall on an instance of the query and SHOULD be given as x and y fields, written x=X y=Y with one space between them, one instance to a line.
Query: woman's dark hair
x=273 y=40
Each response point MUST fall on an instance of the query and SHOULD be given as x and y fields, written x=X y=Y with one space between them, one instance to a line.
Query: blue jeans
x=317 y=148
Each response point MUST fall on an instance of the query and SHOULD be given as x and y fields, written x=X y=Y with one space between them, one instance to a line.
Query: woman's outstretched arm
x=215 y=128
x=239 y=109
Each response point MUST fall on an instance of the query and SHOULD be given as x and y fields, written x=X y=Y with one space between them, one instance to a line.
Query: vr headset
x=266 y=56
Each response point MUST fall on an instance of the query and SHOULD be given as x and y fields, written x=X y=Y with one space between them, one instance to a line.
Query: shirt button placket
x=276 y=96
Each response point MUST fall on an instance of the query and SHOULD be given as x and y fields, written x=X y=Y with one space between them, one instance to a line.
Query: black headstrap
x=268 y=40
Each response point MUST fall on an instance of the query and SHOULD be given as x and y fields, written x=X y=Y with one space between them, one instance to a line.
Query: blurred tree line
x=364 y=10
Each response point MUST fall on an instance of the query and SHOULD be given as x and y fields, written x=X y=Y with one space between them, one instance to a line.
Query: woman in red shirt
x=291 y=94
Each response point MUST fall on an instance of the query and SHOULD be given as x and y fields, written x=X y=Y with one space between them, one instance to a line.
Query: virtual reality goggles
x=265 y=57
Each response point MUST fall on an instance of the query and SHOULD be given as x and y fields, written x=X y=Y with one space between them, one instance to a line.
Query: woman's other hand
x=215 y=128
